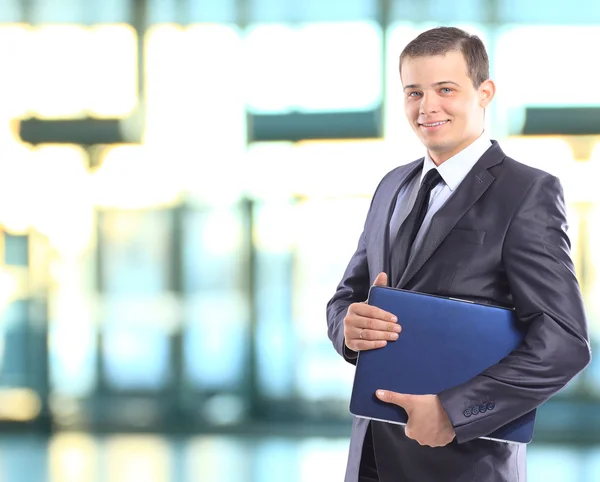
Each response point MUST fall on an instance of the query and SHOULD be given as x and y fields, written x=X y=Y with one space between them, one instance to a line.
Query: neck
x=440 y=157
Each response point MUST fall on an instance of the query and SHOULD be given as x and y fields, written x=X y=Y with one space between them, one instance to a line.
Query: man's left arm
x=547 y=297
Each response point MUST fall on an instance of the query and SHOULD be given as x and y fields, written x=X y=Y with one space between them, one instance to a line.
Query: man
x=481 y=226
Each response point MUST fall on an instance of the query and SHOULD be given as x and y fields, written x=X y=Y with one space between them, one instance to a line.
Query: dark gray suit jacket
x=500 y=239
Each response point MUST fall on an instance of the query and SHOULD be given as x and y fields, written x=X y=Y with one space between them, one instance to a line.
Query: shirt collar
x=455 y=169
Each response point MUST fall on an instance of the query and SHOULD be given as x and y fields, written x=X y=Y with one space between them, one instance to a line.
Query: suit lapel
x=397 y=180
x=468 y=192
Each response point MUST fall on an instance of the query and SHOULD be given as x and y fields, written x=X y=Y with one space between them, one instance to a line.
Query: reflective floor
x=73 y=457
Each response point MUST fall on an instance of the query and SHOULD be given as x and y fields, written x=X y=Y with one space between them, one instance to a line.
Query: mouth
x=433 y=125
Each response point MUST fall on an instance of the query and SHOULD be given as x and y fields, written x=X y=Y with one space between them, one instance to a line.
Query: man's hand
x=367 y=327
x=428 y=422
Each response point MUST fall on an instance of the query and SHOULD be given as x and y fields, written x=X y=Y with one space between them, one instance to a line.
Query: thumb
x=401 y=399
x=381 y=280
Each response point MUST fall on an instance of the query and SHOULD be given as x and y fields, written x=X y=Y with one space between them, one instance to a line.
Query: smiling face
x=441 y=103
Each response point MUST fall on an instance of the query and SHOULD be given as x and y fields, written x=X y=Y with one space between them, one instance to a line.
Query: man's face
x=443 y=107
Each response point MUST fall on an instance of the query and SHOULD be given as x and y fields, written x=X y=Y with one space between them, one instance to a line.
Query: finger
x=369 y=311
x=364 y=345
x=408 y=432
x=359 y=322
x=401 y=399
x=381 y=280
x=373 y=335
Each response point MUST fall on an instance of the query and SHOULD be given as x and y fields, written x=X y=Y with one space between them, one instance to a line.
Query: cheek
x=411 y=109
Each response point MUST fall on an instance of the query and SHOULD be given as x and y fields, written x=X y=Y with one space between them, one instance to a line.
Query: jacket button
x=475 y=409
x=482 y=408
x=491 y=405
x=467 y=413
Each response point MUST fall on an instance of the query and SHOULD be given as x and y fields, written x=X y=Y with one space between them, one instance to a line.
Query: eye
x=446 y=90
x=414 y=94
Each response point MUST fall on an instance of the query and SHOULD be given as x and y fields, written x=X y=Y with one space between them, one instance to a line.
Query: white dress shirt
x=452 y=171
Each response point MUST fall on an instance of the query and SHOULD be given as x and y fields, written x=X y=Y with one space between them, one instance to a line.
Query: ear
x=486 y=92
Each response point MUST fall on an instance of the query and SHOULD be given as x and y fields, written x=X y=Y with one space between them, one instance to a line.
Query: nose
x=428 y=104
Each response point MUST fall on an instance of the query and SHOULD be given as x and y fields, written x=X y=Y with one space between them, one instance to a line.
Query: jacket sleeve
x=546 y=296
x=353 y=288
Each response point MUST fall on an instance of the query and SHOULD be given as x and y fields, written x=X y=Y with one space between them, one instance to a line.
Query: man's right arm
x=354 y=288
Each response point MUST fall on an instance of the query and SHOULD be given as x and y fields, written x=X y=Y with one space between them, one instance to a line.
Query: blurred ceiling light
x=194 y=95
x=338 y=66
x=61 y=56
x=112 y=83
x=19 y=404
x=17 y=86
x=528 y=72
x=74 y=70
x=313 y=67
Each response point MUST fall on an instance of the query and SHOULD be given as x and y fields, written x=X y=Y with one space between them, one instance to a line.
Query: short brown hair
x=441 y=40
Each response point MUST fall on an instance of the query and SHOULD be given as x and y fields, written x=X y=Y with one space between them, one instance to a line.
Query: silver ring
x=360 y=334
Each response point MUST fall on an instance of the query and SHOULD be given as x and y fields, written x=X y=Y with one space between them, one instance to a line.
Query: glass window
x=138 y=313
x=162 y=11
x=276 y=344
x=326 y=236
x=136 y=252
x=223 y=11
x=312 y=10
x=216 y=309
x=108 y=11
x=135 y=349
x=462 y=10
x=543 y=12
x=49 y=11
x=14 y=344
x=11 y=11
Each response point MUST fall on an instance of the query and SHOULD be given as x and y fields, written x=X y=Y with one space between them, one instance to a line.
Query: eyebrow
x=437 y=84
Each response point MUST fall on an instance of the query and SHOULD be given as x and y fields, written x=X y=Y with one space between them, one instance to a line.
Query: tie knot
x=432 y=178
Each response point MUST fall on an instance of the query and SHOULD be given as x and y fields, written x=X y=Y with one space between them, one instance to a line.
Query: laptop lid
x=444 y=342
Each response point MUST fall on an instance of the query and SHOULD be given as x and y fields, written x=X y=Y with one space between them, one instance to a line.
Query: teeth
x=435 y=124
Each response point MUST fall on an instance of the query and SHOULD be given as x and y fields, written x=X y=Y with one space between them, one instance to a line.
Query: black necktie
x=400 y=250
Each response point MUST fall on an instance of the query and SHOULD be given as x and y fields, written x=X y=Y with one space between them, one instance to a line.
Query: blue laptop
x=444 y=342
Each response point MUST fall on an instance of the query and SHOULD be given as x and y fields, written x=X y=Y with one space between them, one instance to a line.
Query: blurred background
x=182 y=185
